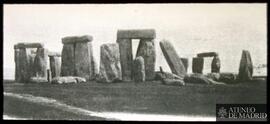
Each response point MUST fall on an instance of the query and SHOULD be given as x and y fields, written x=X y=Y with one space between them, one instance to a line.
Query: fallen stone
x=146 y=49
x=215 y=65
x=40 y=63
x=136 y=34
x=68 y=80
x=185 y=63
x=172 y=58
x=110 y=69
x=77 y=39
x=197 y=65
x=38 y=80
x=68 y=61
x=200 y=79
x=28 y=45
x=227 y=77
x=126 y=58
x=214 y=76
x=207 y=54
x=139 y=69
x=175 y=82
x=246 y=67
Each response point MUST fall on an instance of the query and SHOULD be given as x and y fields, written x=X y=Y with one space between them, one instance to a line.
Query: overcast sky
x=191 y=28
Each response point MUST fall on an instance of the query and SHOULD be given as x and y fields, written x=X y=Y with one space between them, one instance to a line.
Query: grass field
x=147 y=97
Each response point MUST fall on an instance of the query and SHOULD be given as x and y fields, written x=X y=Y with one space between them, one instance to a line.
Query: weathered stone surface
x=28 y=45
x=55 y=66
x=68 y=60
x=246 y=67
x=214 y=76
x=136 y=34
x=215 y=65
x=169 y=78
x=110 y=69
x=40 y=63
x=38 y=80
x=200 y=79
x=126 y=58
x=207 y=54
x=83 y=67
x=146 y=49
x=139 y=69
x=172 y=58
x=76 y=39
x=185 y=63
x=197 y=65
x=68 y=80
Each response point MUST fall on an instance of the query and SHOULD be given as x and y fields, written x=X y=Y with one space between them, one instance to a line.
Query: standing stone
x=40 y=63
x=110 y=69
x=94 y=67
x=55 y=66
x=23 y=65
x=83 y=61
x=126 y=58
x=146 y=49
x=185 y=63
x=31 y=53
x=139 y=72
x=172 y=58
x=77 y=58
x=17 y=67
x=49 y=77
x=68 y=61
x=215 y=66
x=197 y=65
x=246 y=67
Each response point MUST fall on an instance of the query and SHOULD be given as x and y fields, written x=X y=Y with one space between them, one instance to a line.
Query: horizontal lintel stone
x=54 y=54
x=207 y=54
x=28 y=45
x=76 y=39
x=136 y=34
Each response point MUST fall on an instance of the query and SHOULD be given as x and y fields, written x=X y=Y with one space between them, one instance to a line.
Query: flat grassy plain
x=147 y=97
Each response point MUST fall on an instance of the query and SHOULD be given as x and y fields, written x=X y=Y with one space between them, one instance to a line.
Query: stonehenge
x=76 y=62
x=77 y=57
x=110 y=69
x=146 y=49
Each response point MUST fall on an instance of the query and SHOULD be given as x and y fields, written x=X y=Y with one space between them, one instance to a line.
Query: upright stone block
x=22 y=60
x=40 y=63
x=77 y=57
x=185 y=63
x=68 y=60
x=197 y=65
x=215 y=65
x=17 y=67
x=83 y=60
x=139 y=69
x=55 y=65
x=172 y=58
x=146 y=49
x=246 y=67
x=110 y=69
x=126 y=58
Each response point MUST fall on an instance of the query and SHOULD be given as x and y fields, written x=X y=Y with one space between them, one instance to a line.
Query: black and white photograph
x=135 y=62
